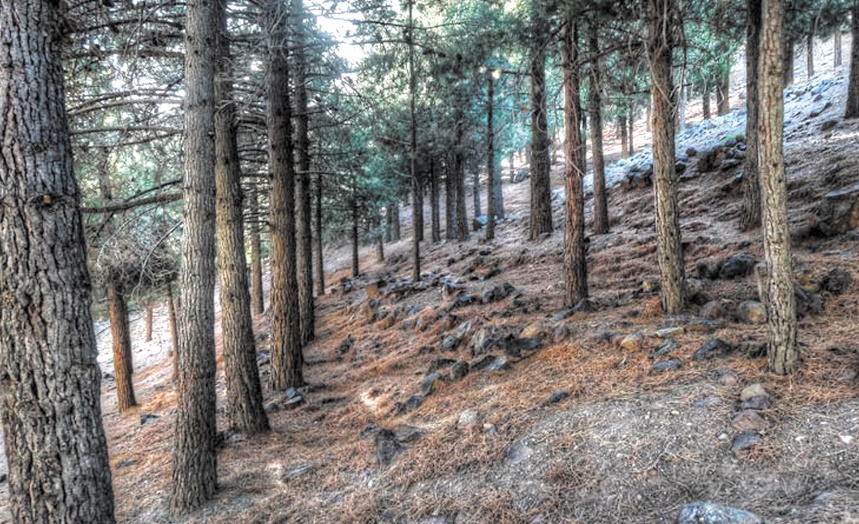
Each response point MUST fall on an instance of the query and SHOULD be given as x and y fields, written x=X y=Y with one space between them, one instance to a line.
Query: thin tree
x=783 y=354
x=194 y=460
x=541 y=194
x=490 y=157
x=662 y=19
x=51 y=416
x=413 y=150
x=257 y=299
x=852 y=110
x=750 y=217
x=245 y=411
x=595 y=109
x=575 y=263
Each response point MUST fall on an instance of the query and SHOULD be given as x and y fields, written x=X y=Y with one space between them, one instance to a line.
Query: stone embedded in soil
x=807 y=303
x=148 y=418
x=707 y=402
x=744 y=442
x=670 y=332
x=665 y=348
x=583 y=306
x=709 y=513
x=412 y=403
x=631 y=342
x=667 y=365
x=519 y=452
x=429 y=384
x=739 y=265
x=837 y=281
x=534 y=330
x=558 y=396
x=753 y=390
x=561 y=333
x=514 y=347
x=499 y=292
x=756 y=403
x=297 y=472
x=469 y=418
x=406 y=433
x=749 y=420
x=459 y=370
x=449 y=343
x=440 y=363
x=385 y=446
x=345 y=345
x=482 y=362
x=713 y=310
x=500 y=364
x=713 y=348
x=482 y=340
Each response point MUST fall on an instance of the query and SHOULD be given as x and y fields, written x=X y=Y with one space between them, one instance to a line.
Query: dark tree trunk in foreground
x=490 y=158
x=661 y=14
x=317 y=252
x=541 y=191
x=631 y=133
x=121 y=336
x=304 y=258
x=54 y=440
x=853 y=80
x=498 y=193
x=750 y=216
x=174 y=331
x=287 y=360
x=194 y=461
x=245 y=411
x=257 y=298
x=575 y=263
x=595 y=110
x=149 y=314
x=783 y=353
x=413 y=152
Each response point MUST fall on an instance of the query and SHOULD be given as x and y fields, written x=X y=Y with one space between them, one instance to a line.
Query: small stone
x=713 y=310
x=847 y=439
x=707 y=402
x=412 y=403
x=749 y=420
x=739 y=265
x=751 y=312
x=499 y=292
x=440 y=363
x=670 y=332
x=518 y=453
x=345 y=345
x=728 y=378
x=561 y=333
x=238 y=437
x=500 y=364
x=534 y=330
x=429 y=384
x=665 y=348
x=753 y=390
x=483 y=362
x=708 y=513
x=469 y=418
x=459 y=370
x=807 y=303
x=631 y=342
x=294 y=402
x=449 y=343
x=756 y=403
x=121 y=464
x=558 y=396
x=667 y=365
x=744 y=442
x=713 y=348
x=385 y=446
x=837 y=281
x=148 y=418
x=406 y=433
x=482 y=340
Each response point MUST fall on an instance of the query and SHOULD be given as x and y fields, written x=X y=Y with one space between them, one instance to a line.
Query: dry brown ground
x=626 y=446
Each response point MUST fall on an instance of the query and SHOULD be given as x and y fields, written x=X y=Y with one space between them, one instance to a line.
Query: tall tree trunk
x=418 y=209
x=750 y=216
x=475 y=193
x=304 y=258
x=788 y=62
x=490 y=157
x=459 y=157
x=121 y=335
x=662 y=15
x=631 y=133
x=195 y=476
x=595 y=110
x=353 y=236
x=174 y=331
x=622 y=135
x=809 y=55
x=498 y=191
x=705 y=103
x=435 y=212
x=575 y=263
x=54 y=439
x=287 y=359
x=245 y=411
x=148 y=330
x=853 y=80
x=257 y=299
x=413 y=151
x=395 y=230
x=783 y=353
x=317 y=252
x=541 y=193
x=837 y=51
x=723 y=95
x=450 y=199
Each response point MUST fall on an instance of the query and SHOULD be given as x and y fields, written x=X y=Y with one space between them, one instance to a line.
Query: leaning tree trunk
x=195 y=475
x=245 y=412
x=304 y=257
x=54 y=440
x=783 y=353
x=287 y=359
x=595 y=110
x=575 y=263
x=121 y=336
x=669 y=249
x=750 y=216
x=853 y=81
x=490 y=158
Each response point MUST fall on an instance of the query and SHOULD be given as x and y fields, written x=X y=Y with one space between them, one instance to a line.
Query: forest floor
x=576 y=425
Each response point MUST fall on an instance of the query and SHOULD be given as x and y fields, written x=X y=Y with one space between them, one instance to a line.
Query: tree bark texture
x=304 y=258
x=705 y=102
x=435 y=214
x=852 y=110
x=149 y=315
x=287 y=359
x=174 y=332
x=50 y=404
x=449 y=200
x=121 y=337
x=631 y=132
x=622 y=134
x=541 y=191
x=353 y=236
x=837 y=52
x=723 y=94
x=194 y=459
x=669 y=249
x=750 y=216
x=783 y=353
x=575 y=262
x=809 y=55
x=595 y=110
x=320 y=268
x=787 y=70
x=490 y=158
x=257 y=297
x=245 y=411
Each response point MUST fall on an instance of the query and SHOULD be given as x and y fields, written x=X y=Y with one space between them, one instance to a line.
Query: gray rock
x=345 y=346
x=385 y=446
x=749 y=421
x=412 y=403
x=558 y=396
x=707 y=402
x=483 y=362
x=429 y=384
x=583 y=306
x=756 y=403
x=739 y=265
x=518 y=453
x=665 y=348
x=449 y=343
x=751 y=312
x=440 y=363
x=713 y=348
x=499 y=292
x=482 y=341
x=807 y=303
x=837 y=281
x=297 y=472
x=709 y=513
x=753 y=390
x=459 y=370
x=744 y=442
x=500 y=364
x=406 y=433
x=561 y=333
x=667 y=365
x=469 y=418
x=713 y=310
x=148 y=418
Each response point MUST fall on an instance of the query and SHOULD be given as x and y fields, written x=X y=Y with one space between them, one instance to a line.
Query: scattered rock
x=497 y=293
x=534 y=330
x=514 y=346
x=148 y=418
x=483 y=362
x=739 y=265
x=469 y=418
x=807 y=303
x=670 y=332
x=500 y=364
x=561 y=333
x=709 y=513
x=756 y=403
x=749 y=420
x=558 y=396
x=449 y=343
x=412 y=403
x=631 y=342
x=429 y=384
x=459 y=370
x=751 y=312
x=837 y=281
x=482 y=341
x=707 y=402
x=583 y=306
x=464 y=300
x=753 y=390
x=713 y=348
x=713 y=310
x=406 y=433
x=519 y=452
x=727 y=377
x=385 y=446
x=828 y=125
x=667 y=365
x=818 y=109
x=369 y=311
x=440 y=363
x=665 y=348
x=744 y=442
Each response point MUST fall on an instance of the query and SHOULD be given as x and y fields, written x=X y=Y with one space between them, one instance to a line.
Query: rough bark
x=475 y=194
x=622 y=134
x=809 y=55
x=245 y=412
x=353 y=236
x=705 y=102
x=304 y=257
x=837 y=51
x=148 y=328
x=575 y=263
x=395 y=222
x=121 y=336
x=750 y=216
x=449 y=200
x=435 y=212
x=669 y=249
x=287 y=359
x=783 y=353
x=317 y=252
x=194 y=459
x=459 y=157
x=490 y=158
x=595 y=110
x=852 y=110
x=631 y=132
x=417 y=212
x=54 y=440
x=788 y=63
x=174 y=331
x=541 y=194
x=257 y=297
x=498 y=192
x=723 y=95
